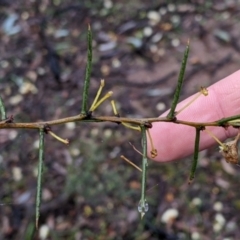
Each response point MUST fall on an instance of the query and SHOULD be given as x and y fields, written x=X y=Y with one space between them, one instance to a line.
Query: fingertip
x=174 y=141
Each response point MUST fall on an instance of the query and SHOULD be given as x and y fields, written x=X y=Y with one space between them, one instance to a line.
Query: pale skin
x=174 y=141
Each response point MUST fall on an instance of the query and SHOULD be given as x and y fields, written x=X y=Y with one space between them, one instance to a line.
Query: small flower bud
x=230 y=150
x=204 y=91
x=154 y=153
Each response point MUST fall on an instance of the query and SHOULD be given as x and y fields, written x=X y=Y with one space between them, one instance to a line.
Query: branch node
x=46 y=128
x=9 y=119
x=148 y=124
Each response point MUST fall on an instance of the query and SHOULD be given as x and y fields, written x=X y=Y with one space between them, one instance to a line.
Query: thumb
x=174 y=141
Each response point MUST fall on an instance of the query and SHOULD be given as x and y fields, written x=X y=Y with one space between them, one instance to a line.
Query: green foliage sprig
x=88 y=72
x=176 y=96
x=228 y=150
x=40 y=173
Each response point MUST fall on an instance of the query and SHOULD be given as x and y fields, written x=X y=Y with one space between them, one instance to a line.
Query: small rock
x=44 y=232
x=222 y=35
x=169 y=215
x=218 y=206
x=219 y=222
x=17 y=173
x=154 y=16
x=15 y=100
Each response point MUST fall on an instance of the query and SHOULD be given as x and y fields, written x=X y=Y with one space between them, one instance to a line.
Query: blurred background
x=88 y=191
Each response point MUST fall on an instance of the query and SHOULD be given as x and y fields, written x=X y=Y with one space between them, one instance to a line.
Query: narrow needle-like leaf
x=231 y=120
x=40 y=169
x=88 y=73
x=98 y=94
x=114 y=108
x=195 y=155
x=2 y=110
x=189 y=103
x=153 y=149
x=137 y=128
x=65 y=141
x=135 y=148
x=171 y=114
x=143 y=205
x=214 y=137
x=106 y=96
x=131 y=163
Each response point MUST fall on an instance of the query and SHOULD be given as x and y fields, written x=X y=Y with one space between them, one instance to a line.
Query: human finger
x=174 y=141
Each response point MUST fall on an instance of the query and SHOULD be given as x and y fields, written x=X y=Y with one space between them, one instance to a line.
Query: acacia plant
x=87 y=114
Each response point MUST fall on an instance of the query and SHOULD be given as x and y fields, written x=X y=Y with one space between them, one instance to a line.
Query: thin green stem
x=195 y=155
x=2 y=110
x=171 y=114
x=40 y=170
x=88 y=72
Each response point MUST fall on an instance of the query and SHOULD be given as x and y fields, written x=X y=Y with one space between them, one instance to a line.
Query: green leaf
x=223 y=121
x=29 y=233
x=171 y=114
x=143 y=205
x=195 y=155
x=2 y=110
x=88 y=72
x=40 y=170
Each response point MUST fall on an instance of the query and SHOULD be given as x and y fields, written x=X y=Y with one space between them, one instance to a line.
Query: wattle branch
x=224 y=122
x=87 y=114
